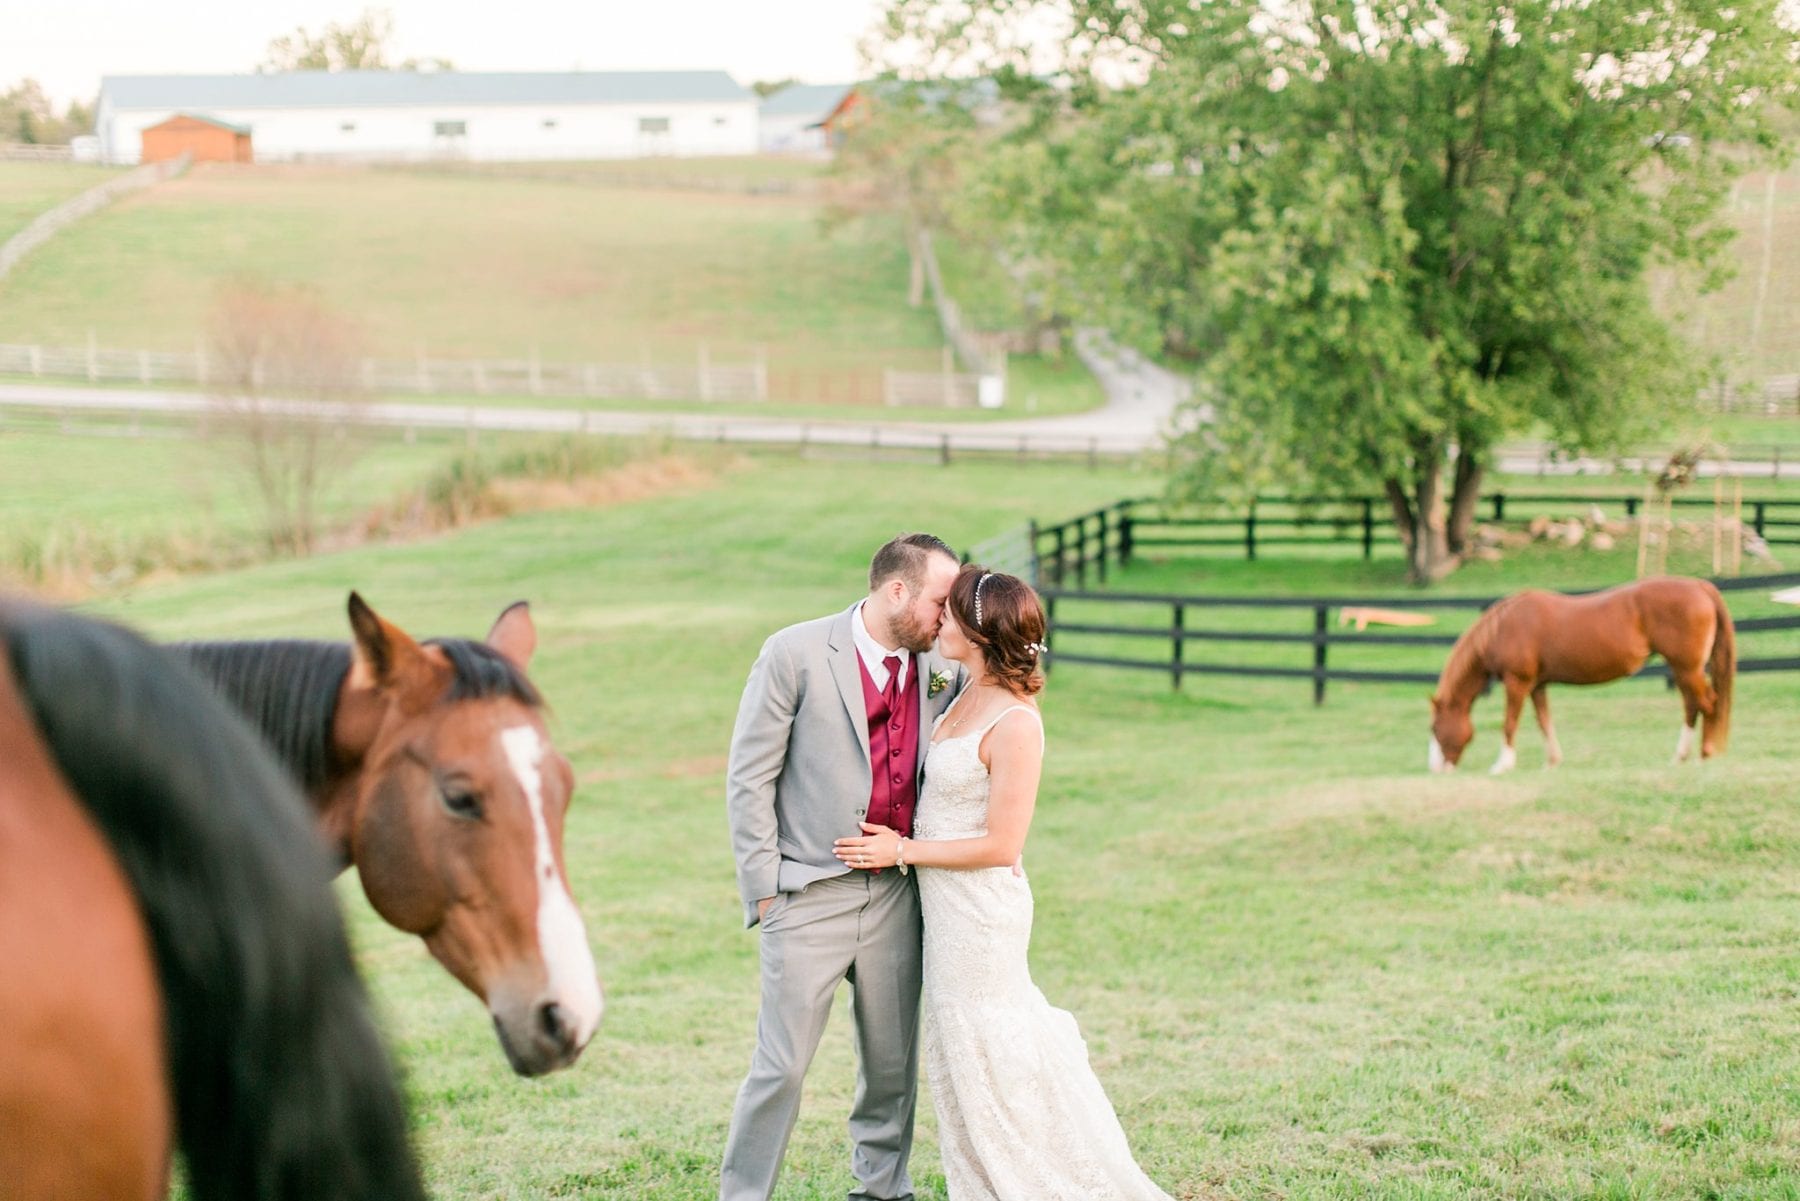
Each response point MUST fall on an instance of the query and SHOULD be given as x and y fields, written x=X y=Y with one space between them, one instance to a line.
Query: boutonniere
x=940 y=680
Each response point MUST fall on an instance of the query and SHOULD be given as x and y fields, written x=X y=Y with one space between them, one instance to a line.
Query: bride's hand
x=879 y=847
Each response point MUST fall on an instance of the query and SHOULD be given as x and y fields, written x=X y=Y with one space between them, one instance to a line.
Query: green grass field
x=1304 y=968
x=27 y=190
x=1753 y=322
x=490 y=265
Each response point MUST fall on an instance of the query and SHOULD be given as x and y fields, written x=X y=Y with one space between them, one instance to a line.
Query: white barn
x=422 y=115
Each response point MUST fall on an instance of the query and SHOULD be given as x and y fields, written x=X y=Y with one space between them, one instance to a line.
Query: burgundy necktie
x=891 y=693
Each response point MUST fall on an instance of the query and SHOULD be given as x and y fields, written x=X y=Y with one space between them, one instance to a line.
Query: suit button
x=895 y=752
x=861 y=812
x=898 y=779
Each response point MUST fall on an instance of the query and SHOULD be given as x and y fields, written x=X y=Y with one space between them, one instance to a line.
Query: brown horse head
x=1452 y=729
x=455 y=823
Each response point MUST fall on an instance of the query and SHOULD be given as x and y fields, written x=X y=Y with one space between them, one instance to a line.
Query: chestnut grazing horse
x=430 y=768
x=173 y=966
x=1533 y=639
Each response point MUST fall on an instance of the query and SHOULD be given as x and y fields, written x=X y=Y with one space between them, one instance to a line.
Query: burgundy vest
x=893 y=751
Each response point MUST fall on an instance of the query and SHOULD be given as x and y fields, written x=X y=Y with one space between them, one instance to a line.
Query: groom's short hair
x=906 y=557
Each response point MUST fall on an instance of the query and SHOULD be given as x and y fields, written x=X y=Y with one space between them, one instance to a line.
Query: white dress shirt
x=872 y=652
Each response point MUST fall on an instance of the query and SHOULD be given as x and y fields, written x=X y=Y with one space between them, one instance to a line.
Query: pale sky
x=67 y=45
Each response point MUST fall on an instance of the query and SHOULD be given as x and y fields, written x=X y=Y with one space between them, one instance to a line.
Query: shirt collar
x=872 y=651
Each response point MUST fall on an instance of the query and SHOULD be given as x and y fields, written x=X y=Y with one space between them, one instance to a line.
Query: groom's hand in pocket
x=762 y=907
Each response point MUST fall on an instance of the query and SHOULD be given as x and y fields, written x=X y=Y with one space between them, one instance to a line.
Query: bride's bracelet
x=900 y=855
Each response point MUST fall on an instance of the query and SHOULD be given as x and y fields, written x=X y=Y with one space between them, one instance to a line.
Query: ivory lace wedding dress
x=1021 y=1116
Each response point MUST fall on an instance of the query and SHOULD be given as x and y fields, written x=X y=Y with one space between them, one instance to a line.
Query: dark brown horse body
x=431 y=769
x=171 y=965
x=1533 y=639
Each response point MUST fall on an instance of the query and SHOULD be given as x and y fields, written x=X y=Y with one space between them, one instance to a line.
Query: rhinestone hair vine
x=978 y=583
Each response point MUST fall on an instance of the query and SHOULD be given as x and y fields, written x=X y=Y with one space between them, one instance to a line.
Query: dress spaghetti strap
x=982 y=733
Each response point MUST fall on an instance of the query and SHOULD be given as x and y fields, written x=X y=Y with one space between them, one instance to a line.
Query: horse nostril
x=555 y=1027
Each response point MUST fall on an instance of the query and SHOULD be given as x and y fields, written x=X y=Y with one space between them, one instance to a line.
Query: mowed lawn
x=1304 y=968
x=463 y=266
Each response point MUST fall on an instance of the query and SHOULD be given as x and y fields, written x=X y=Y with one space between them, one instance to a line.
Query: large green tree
x=1387 y=234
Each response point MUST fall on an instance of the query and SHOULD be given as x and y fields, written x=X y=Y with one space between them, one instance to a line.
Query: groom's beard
x=912 y=633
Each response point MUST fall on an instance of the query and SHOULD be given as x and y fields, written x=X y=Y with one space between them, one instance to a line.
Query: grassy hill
x=1304 y=969
x=30 y=189
x=576 y=265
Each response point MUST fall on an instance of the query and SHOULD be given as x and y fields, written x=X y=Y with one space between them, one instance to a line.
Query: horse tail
x=1716 y=728
x=280 y=1084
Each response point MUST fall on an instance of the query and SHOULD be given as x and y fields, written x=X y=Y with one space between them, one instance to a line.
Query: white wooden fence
x=700 y=379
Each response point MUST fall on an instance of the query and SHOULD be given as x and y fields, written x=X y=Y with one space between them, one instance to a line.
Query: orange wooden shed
x=208 y=139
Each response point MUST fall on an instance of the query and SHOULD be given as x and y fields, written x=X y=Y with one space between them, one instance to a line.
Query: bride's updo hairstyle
x=1000 y=614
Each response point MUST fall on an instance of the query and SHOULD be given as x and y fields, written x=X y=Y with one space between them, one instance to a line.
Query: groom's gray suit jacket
x=799 y=776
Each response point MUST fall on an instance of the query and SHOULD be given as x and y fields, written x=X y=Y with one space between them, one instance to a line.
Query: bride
x=1021 y=1115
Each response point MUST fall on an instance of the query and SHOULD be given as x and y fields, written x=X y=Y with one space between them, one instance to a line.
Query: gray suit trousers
x=858 y=927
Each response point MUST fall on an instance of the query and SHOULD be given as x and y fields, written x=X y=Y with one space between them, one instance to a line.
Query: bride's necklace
x=962 y=702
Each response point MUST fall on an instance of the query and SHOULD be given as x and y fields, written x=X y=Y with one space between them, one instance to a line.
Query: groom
x=829 y=734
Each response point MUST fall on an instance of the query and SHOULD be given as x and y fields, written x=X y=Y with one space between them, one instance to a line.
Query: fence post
x=1250 y=531
x=1499 y=499
x=1368 y=528
x=1318 y=654
x=1060 y=544
x=1049 y=619
x=1103 y=531
x=943 y=450
x=1631 y=506
x=1036 y=561
x=1177 y=626
x=1124 y=533
x=1757 y=521
x=1081 y=555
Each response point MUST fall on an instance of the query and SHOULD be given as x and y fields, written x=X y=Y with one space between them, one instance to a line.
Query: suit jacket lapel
x=848 y=674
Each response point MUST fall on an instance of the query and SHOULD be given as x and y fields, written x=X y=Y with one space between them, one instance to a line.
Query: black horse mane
x=289 y=688
x=281 y=1085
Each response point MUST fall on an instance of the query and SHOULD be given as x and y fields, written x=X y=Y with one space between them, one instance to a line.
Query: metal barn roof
x=356 y=89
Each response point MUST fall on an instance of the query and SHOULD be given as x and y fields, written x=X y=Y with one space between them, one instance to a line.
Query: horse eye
x=460 y=801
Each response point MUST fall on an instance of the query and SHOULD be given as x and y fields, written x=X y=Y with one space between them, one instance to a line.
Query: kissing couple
x=883 y=773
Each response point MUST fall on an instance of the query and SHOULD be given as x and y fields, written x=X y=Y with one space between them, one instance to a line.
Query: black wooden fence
x=1179 y=633
x=1072 y=551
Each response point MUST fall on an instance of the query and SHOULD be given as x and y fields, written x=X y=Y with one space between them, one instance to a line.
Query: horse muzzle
x=541 y=1037
x=1436 y=760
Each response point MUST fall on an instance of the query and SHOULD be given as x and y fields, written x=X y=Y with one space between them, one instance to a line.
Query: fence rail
x=699 y=379
x=1113 y=535
x=1321 y=637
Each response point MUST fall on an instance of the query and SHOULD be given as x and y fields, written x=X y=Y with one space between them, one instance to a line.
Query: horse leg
x=1696 y=698
x=1516 y=691
x=1540 y=701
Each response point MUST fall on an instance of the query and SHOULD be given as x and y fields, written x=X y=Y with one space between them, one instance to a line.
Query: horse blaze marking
x=572 y=981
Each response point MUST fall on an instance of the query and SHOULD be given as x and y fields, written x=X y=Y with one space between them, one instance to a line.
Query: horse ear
x=381 y=649
x=514 y=635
